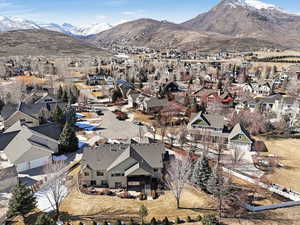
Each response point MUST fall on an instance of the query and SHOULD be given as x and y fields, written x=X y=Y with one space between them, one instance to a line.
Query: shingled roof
x=108 y=156
x=211 y=120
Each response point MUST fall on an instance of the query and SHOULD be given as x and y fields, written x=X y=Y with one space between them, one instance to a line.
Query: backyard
x=78 y=206
x=289 y=155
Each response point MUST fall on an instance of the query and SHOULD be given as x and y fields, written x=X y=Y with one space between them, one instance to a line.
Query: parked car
x=138 y=123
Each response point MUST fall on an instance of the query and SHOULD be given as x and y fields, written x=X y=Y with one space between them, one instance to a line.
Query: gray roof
x=26 y=144
x=52 y=130
x=211 y=120
x=8 y=110
x=155 y=102
x=108 y=156
x=30 y=109
x=6 y=138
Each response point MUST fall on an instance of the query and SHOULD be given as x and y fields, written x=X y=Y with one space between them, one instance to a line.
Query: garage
x=32 y=164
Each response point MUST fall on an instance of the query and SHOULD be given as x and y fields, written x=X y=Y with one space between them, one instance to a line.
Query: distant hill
x=164 y=34
x=44 y=42
x=250 y=18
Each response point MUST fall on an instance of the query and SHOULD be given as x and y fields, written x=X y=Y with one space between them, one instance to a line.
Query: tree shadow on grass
x=199 y=209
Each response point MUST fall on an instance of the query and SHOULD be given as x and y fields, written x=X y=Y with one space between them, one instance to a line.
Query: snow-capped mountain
x=250 y=18
x=15 y=23
x=93 y=28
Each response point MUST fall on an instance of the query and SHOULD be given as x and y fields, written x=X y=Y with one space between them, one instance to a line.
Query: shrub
x=118 y=222
x=154 y=195
x=44 y=219
x=177 y=220
x=142 y=197
x=131 y=222
x=165 y=221
x=153 y=221
x=188 y=219
x=199 y=218
x=210 y=220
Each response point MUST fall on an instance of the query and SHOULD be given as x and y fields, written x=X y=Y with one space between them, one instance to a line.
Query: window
x=104 y=182
x=86 y=174
x=117 y=174
x=155 y=170
x=100 y=174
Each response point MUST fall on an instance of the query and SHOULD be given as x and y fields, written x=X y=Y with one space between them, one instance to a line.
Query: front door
x=93 y=183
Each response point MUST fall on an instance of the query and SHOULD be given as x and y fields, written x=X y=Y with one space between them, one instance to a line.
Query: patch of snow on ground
x=42 y=201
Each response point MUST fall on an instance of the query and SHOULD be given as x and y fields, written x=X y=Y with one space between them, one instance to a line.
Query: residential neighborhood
x=151 y=122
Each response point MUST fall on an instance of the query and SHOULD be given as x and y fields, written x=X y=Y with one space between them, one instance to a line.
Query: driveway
x=112 y=128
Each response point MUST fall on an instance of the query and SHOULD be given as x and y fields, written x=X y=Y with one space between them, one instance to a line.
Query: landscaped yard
x=79 y=206
x=139 y=116
x=289 y=156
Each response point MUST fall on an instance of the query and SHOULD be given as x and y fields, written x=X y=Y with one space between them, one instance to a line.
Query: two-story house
x=137 y=167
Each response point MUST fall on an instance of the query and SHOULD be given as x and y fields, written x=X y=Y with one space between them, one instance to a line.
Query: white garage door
x=39 y=162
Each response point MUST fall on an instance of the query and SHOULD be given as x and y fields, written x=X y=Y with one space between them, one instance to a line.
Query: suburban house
x=27 y=148
x=99 y=79
x=27 y=113
x=152 y=104
x=137 y=167
x=134 y=99
x=211 y=129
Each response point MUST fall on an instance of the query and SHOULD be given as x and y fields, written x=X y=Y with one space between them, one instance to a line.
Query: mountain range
x=16 y=23
x=237 y=25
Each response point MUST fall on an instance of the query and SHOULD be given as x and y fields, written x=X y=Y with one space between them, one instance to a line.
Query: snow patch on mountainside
x=256 y=4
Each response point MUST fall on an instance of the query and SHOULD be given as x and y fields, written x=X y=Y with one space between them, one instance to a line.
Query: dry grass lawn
x=85 y=207
x=139 y=116
x=289 y=154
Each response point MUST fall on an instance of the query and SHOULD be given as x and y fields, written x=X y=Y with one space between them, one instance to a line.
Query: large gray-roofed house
x=26 y=148
x=28 y=113
x=131 y=166
x=213 y=122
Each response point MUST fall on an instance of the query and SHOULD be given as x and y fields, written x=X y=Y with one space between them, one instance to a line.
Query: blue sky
x=115 y=11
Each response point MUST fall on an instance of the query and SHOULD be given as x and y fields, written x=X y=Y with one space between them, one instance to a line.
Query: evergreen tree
x=202 y=172
x=70 y=114
x=143 y=212
x=153 y=221
x=44 y=219
x=165 y=221
x=60 y=92
x=21 y=202
x=68 y=140
x=1 y=104
x=58 y=115
x=72 y=98
x=65 y=97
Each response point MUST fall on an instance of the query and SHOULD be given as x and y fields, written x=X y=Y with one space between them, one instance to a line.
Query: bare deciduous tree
x=177 y=176
x=55 y=188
